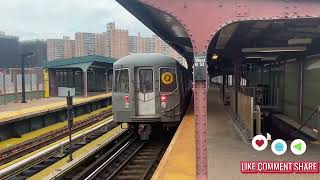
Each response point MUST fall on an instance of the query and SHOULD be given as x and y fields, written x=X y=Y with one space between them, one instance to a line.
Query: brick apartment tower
x=117 y=41
x=69 y=47
x=55 y=49
x=85 y=44
x=102 y=44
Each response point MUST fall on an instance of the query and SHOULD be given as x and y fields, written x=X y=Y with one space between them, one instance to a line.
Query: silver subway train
x=150 y=91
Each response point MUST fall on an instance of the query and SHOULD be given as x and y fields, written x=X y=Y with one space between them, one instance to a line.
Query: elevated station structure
x=242 y=38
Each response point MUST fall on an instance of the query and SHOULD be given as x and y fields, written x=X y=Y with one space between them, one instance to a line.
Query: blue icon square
x=279 y=147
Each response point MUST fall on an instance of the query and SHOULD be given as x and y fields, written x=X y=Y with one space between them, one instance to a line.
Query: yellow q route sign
x=167 y=78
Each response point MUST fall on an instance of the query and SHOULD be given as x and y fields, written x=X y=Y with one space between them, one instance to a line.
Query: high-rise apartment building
x=102 y=44
x=85 y=44
x=55 y=49
x=117 y=41
x=150 y=45
x=69 y=47
x=133 y=44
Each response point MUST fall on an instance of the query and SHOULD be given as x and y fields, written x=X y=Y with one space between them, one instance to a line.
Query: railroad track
x=16 y=151
x=131 y=159
x=34 y=164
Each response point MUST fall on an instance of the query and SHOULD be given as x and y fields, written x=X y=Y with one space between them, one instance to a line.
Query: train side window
x=121 y=81
x=168 y=81
x=146 y=80
x=124 y=81
x=116 y=80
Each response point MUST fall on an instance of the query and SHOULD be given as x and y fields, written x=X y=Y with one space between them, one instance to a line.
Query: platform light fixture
x=215 y=57
x=253 y=57
x=300 y=41
x=275 y=49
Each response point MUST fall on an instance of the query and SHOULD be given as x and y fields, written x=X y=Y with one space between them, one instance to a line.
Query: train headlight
x=163 y=98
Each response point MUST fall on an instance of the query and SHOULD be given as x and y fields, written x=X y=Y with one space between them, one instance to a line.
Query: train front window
x=122 y=81
x=168 y=82
x=146 y=80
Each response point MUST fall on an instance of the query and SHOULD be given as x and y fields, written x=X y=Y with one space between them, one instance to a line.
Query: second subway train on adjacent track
x=150 y=91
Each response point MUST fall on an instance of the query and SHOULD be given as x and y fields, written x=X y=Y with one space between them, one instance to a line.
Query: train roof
x=146 y=59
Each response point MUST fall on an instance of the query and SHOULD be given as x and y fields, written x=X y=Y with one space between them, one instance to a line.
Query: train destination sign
x=167 y=78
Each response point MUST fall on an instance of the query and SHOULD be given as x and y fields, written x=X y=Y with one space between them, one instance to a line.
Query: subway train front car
x=150 y=92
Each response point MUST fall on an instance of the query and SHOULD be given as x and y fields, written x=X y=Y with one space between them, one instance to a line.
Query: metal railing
x=313 y=113
x=263 y=96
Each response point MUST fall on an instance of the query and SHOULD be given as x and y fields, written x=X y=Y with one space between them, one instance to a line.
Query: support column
x=38 y=75
x=200 y=112
x=85 y=83
x=4 y=90
x=237 y=79
x=107 y=80
x=301 y=78
x=74 y=78
x=15 y=83
x=261 y=74
x=30 y=73
x=269 y=91
x=223 y=86
x=52 y=82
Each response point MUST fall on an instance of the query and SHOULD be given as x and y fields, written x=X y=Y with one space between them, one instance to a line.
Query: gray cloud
x=41 y=19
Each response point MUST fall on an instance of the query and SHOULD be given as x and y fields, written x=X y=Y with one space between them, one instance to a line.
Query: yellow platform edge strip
x=178 y=161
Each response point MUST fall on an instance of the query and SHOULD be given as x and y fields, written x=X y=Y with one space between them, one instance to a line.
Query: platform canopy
x=81 y=62
x=227 y=29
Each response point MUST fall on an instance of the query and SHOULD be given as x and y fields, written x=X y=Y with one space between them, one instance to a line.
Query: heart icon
x=259 y=142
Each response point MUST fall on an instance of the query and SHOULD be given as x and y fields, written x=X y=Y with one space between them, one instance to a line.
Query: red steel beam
x=202 y=19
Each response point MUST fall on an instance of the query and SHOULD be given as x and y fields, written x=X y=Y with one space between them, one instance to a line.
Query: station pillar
x=85 y=84
x=53 y=85
x=200 y=111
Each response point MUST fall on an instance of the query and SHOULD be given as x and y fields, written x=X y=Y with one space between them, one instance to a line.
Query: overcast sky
x=43 y=19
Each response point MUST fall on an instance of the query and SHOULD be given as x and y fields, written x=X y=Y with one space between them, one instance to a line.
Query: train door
x=145 y=94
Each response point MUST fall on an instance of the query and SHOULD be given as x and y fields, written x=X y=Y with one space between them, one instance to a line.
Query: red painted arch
x=203 y=18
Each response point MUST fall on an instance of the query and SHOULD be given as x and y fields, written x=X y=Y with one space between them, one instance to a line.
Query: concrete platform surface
x=226 y=149
x=18 y=110
x=179 y=160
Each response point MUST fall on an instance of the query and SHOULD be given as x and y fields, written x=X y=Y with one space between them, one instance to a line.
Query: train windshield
x=146 y=80
x=168 y=81
x=121 y=81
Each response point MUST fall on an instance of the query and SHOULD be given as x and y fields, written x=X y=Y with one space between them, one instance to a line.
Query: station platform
x=226 y=149
x=28 y=136
x=179 y=160
x=15 y=111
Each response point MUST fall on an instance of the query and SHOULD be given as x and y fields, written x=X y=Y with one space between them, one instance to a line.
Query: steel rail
x=14 y=152
x=52 y=151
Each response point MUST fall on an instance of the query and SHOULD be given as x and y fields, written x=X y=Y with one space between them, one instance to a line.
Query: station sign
x=200 y=68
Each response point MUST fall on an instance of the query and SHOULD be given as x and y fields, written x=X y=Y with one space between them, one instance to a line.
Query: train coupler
x=144 y=131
